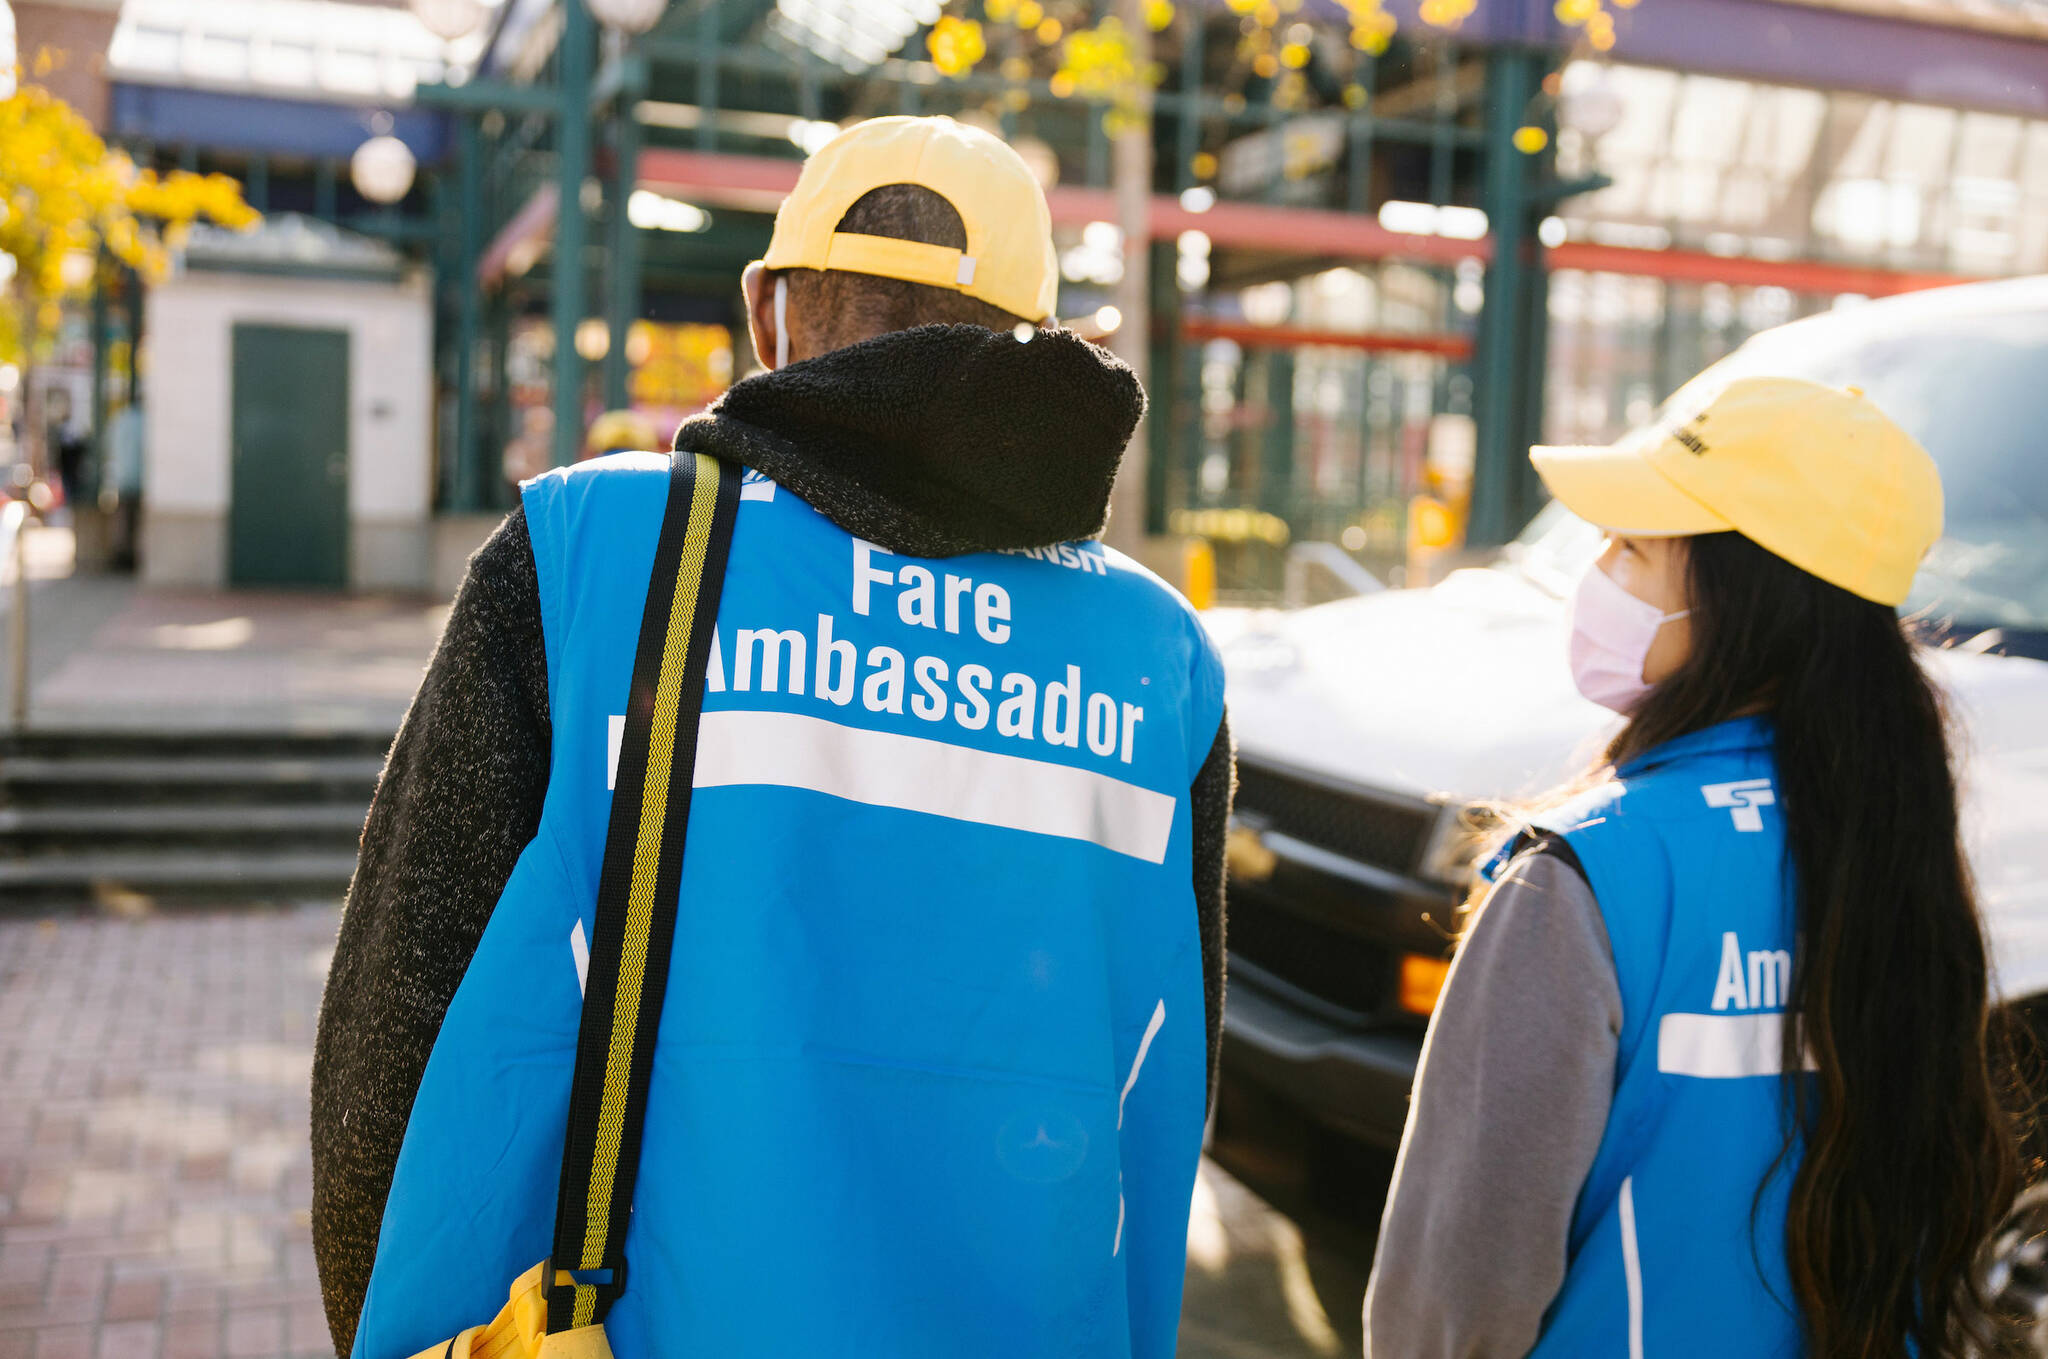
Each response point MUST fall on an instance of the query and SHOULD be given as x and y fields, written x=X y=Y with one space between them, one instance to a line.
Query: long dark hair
x=1908 y=1157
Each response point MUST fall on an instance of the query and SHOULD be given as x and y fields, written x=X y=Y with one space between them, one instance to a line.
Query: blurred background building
x=1382 y=250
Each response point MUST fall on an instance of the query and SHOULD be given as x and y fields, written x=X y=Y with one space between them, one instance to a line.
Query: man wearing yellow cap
x=943 y=1003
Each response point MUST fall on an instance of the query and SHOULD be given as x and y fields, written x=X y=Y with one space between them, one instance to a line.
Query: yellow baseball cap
x=1009 y=260
x=1817 y=475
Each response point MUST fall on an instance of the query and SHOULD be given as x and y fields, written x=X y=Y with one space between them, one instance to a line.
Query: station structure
x=1371 y=277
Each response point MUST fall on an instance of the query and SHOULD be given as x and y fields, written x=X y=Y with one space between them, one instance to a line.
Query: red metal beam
x=1457 y=348
x=717 y=178
x=1315 y=232
x=758 y=183
x=529 y=226
x=1697 y=266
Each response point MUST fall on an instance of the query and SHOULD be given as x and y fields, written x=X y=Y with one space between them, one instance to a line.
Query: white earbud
x=781 y=321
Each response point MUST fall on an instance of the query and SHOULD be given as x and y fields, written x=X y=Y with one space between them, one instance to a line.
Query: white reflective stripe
x=1137 y=1064
x=614 y=738
x=1722 y=1046
x=1144 y=1046
x=915 y=774
x=1632 y=1268
x=1118 y=1244
x=579 y=950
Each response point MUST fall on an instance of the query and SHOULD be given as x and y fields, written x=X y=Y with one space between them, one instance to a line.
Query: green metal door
x=288 y=506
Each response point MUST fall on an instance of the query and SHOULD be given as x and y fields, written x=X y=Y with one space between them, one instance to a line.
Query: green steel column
x=1509 y=380
x=1528 y=487
x=447 y=306
x=572 y=156
x=493 y=491
x=323 y=190
x=469 y=209
x=1188 y=121
x=807 y=93
x=1166 y=395
x=707 y=77
x=1192 y=426
x=1358 y=166
x=1444 y=118
x=622 y=255
x=256 y=187
x=1276 y=458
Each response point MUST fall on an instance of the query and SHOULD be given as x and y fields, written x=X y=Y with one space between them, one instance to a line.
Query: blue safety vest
x=931 y=1070
x=1672 y=1251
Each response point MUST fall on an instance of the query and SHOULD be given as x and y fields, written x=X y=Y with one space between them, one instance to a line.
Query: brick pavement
x=154 y=1171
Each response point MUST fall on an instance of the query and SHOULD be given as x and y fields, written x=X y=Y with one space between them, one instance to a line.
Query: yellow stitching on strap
x=585 y=1310
x=611 y=1116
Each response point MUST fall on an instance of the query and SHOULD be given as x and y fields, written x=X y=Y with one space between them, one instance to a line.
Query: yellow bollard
x=1198 y=573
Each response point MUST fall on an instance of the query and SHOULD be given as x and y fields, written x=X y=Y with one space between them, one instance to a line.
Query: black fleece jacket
x=930 y=442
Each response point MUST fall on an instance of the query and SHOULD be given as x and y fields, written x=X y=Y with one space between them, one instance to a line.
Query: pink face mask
x=1612 y=632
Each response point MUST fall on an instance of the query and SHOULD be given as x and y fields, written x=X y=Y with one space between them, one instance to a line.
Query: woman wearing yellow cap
x=1713 y=1073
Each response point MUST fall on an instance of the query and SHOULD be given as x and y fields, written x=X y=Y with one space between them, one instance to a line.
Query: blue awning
x=220 y=121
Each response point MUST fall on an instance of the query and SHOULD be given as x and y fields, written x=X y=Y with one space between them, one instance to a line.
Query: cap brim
x=1617 y=489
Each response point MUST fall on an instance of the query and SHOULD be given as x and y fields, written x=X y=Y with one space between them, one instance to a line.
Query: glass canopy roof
x=306 y=48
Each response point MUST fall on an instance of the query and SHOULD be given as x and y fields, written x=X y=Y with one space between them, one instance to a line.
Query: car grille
x=1337 y=968
x=1384 y=832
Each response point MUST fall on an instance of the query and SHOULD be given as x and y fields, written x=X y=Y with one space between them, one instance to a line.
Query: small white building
x=288 y=387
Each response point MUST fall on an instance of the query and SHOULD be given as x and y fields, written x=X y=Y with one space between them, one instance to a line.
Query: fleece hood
x=940 y=440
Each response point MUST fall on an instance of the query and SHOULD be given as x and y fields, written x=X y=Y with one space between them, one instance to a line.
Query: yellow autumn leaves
x=955 y=44
x=1096 y=62
x=1372 y=28
x=65 y=196
x=1099 y=62
x=1594 y=17
x=1447 y=13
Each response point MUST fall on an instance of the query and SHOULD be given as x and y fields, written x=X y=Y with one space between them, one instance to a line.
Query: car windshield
x=1973 y=389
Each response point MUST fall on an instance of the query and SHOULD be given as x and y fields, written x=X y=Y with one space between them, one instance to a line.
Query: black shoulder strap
x=1546 y=842
x=636 y=893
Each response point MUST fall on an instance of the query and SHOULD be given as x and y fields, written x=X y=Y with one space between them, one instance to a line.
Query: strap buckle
x=561 y=1296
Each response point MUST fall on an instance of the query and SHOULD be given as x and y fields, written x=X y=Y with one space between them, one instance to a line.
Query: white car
x=1366 y=727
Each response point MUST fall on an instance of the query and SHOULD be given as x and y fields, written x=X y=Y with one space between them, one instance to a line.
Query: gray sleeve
x=1510 y=1104
x=1215 y=785
x=459 y=800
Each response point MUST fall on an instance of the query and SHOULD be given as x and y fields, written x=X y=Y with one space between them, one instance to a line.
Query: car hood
x=1462 y=691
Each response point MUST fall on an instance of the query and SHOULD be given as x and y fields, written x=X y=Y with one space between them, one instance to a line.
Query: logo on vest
x=1743 y=799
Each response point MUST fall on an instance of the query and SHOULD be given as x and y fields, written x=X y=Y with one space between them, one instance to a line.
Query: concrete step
x=70 y=743
x=212 y=876
x=130 y=817
x=181 y=819
x=157 y=826
x=39 y=780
